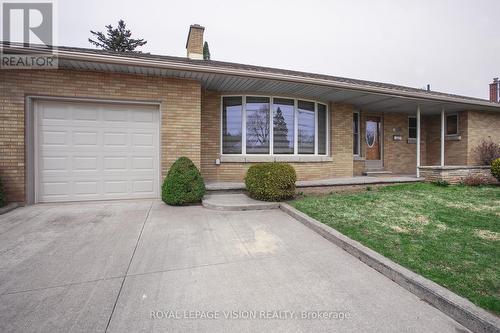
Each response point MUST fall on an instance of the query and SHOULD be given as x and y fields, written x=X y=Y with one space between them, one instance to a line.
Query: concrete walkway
x=126 y=266
x=341 y=181
x=236 y=202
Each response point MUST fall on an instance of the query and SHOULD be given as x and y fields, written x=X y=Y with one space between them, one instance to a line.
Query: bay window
x=257 y=125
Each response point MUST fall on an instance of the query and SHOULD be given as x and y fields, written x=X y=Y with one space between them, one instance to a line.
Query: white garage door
x=89 y=151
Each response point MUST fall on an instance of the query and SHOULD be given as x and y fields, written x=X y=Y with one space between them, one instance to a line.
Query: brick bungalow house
x=107 y=125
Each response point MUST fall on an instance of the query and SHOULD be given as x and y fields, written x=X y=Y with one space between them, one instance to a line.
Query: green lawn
x=450 y=235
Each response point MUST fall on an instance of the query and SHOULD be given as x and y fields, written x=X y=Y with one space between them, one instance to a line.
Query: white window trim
x=271 y=139
x=358 y=143
x=446 y=124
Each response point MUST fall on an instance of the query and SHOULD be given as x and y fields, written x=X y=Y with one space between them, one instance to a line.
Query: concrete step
x=377 y=173
x=235 y=202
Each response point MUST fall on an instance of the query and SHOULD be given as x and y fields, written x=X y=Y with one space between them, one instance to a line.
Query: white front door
x=96 y=151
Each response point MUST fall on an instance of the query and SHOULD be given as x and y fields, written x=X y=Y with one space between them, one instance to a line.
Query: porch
x=332 y=182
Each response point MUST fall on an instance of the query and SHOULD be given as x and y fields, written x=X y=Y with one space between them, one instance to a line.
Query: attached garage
x=95 y=151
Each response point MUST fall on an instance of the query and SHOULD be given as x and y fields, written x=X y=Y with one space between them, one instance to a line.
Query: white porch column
x=442 y=136
x=418 y=140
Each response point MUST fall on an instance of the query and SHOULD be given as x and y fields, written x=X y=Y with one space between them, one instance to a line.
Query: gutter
x=168 y=64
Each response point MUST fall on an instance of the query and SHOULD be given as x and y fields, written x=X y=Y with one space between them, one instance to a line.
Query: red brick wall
x=494 y=92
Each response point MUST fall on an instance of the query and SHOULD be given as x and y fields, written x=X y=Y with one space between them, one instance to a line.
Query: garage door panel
x=85 y=138
x=96 y=152
x=144 y=117
x=87 y=187
x=143 y=163
x=86 y=163
x=55 y=138
x=143 y=186
x=143 y=140
x=116 y=139
x=116 y=187
x=55 y=163
x=112 y=163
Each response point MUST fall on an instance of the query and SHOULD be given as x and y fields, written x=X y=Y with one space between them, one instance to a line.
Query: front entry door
x=372 y=135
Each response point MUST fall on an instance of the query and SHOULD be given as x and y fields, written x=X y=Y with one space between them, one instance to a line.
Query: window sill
x=453 y=137
x=358 y=158
x=274 y=158
x=412 y=140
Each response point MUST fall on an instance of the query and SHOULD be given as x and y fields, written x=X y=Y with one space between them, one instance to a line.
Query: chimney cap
x=495 y=80
x=197 y=26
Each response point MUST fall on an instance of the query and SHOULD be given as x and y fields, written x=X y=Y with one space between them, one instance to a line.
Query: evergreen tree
x=280 y=130
x=117 y=39
x=206 y=52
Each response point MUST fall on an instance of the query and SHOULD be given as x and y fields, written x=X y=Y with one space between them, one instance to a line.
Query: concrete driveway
x=144 y=266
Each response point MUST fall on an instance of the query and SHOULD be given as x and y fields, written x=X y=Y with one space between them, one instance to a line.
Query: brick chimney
x=194 y=44
x=495 y=90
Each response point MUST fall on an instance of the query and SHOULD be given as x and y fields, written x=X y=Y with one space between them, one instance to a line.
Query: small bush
x=495 y=168
x=442 y=183
x=487 y=151
x=3 y=199
x=475 y=180
x=271 y=181
x=183 y=184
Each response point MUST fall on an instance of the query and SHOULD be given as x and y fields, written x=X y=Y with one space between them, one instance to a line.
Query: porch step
x=377 y=173
x=235 y=202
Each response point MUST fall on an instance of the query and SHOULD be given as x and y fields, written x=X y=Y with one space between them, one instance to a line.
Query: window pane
x=452 y=124
x=355 y=140
x=306 y=127
x=355 y=133
x=412 y=127
x=322 y=129
x=257 y=109
x=412 y=122
x=231 y=125
x=283 y=126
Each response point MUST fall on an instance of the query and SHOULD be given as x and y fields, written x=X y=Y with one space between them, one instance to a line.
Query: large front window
x=258 y=129
x=231 y=125
x=279 y=126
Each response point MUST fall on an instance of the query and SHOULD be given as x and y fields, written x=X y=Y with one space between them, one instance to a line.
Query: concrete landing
x=235 y=202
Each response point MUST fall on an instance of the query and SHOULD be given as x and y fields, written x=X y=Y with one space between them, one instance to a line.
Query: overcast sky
x=454 y=45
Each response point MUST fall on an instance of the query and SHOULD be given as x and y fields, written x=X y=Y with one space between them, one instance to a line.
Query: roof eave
x=204 y=68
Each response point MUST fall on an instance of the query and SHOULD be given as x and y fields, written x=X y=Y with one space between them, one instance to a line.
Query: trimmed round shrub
x=183 y=184
x=271 y=181
x=495 y=168
x=3 y=199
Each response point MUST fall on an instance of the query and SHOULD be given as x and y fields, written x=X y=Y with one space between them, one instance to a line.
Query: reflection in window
x=371 y=133
x=258 y=128
x=306 y=127
x=322 y=124
x=452 y=124
x=231 y=125
x=283 y=126
x=412 y=127
x=355 y=133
